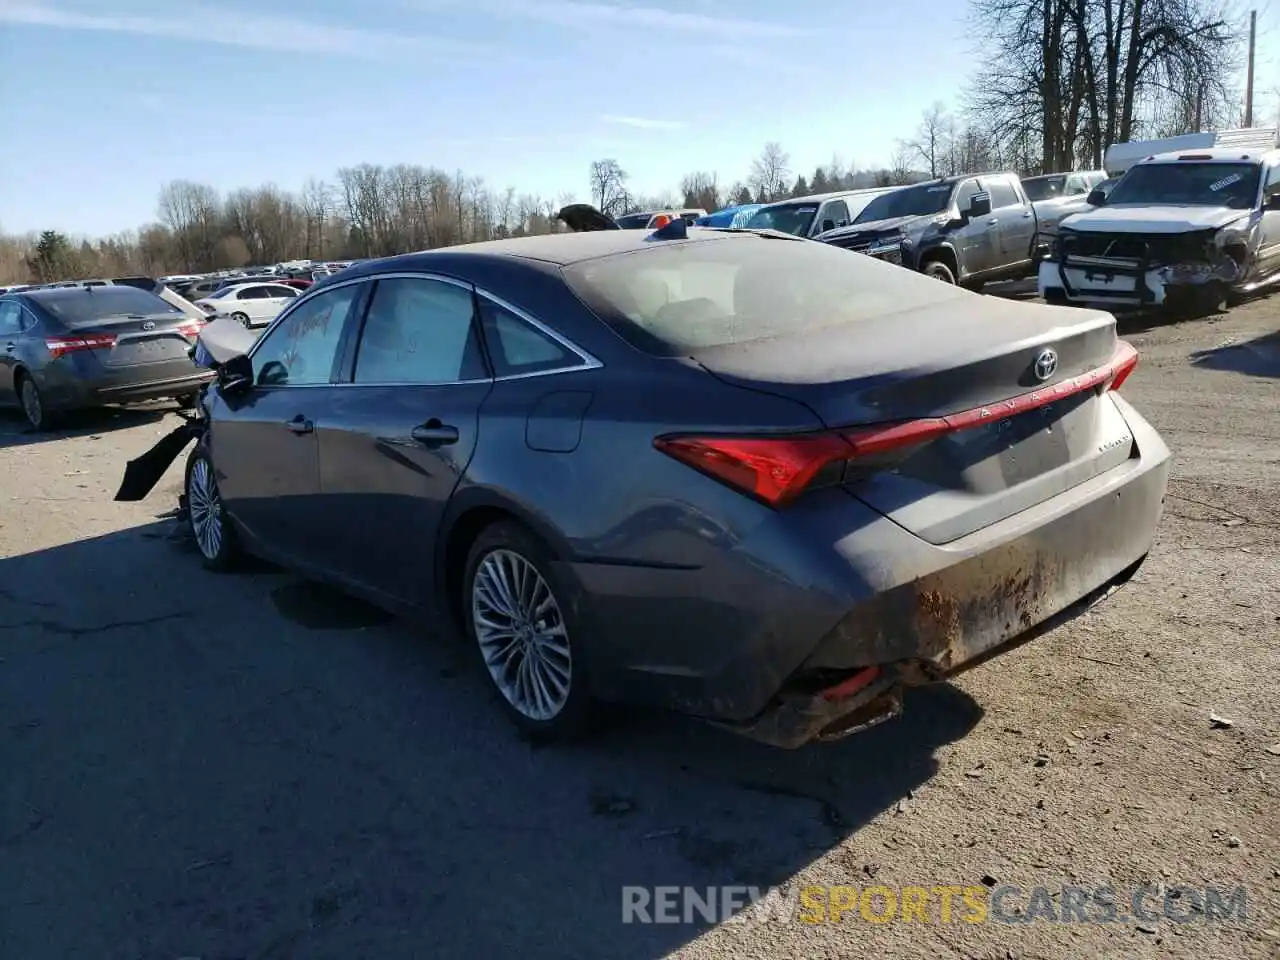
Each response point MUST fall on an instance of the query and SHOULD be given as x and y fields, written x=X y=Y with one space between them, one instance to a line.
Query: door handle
x=993 y=221
x=10 y=347
x=300 y=424
x=434 y=433
x=1026 y=215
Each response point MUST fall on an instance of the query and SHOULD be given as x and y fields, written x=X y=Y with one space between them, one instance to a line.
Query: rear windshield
x=674 y=300
x=85 y=307
x=793 y=218
x=1044 y=188
x=634 y=221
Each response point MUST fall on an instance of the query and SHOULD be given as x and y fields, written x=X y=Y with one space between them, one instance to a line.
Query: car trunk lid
x=999 y=435
x=131 y=340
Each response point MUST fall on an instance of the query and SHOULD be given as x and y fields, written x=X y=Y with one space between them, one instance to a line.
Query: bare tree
x=608 y=186
x=931 y=144
x=770 y=172
x=701 y=189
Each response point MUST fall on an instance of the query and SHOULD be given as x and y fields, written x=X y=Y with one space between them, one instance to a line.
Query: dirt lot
x=251 y=767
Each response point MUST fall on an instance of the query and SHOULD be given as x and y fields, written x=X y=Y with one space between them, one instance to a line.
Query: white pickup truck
x=1185 y=229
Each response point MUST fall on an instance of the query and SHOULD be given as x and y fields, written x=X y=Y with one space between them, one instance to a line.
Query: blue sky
x=115 y=97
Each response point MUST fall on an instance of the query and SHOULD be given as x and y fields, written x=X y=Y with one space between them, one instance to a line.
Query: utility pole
x=1248 y=84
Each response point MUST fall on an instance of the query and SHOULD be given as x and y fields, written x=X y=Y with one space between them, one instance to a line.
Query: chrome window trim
x=588 y=361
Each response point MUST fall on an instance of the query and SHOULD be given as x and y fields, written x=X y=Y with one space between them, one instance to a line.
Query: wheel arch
x=943 y=252
x=470 y=511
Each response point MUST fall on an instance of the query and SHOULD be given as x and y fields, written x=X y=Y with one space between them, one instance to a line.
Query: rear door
x=1015 y=223
x=264 y=440
x=392 y=451
x=257 y=304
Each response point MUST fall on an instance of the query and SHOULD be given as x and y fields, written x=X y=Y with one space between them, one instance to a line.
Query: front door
x=10 y=332
x=392 y=451
x=1267 y=260
x=977 y=242
x=264 y=439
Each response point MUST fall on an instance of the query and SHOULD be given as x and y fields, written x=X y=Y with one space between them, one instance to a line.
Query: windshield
x=675 y=300
x=1232 y=185
x=87 y=306
x=921 y=201
x=634 y=221
x=1044 y=188
x=792 y=218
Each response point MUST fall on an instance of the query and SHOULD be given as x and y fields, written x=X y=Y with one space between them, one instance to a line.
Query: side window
x=1002 y=193
x=419 y=331
x=300 y=350
x=1075 y=185
x=965 y=192
x=255 y=293
x=837 y=211
x=1272 y=183
x=10 y=317
x=517 y=347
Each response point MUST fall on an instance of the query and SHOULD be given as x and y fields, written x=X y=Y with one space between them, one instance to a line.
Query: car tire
x=938 y=271
x=211 y=528
x=535 y=624
x=241 y=318
x=31 y=400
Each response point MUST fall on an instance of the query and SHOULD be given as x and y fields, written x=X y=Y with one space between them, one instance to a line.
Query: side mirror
x=236 y=374
x=828 y=225
x=1097 y=198
x=1273 y=202
x=979 y=206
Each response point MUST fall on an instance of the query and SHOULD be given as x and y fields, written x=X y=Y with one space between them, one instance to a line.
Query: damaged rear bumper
x=1004 y=591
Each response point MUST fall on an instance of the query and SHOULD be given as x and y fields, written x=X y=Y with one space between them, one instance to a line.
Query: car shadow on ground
x=235 y=766
x=14 y=431
x=1259 y=357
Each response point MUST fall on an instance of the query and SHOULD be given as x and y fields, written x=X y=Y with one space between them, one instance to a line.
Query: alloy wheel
x=205 y=509
x=522 y=636
x=31 y=404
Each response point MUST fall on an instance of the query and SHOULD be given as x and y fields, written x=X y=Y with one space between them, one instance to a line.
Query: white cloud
x=644 y=123
x=580 y=14
x=230 y=28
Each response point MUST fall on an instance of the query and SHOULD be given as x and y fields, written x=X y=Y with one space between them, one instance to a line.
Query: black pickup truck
x=968 y=229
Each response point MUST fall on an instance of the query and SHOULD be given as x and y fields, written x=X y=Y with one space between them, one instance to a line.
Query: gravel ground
x=249 y=766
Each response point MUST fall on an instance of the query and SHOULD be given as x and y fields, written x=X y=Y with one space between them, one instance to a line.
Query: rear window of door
x=1002 y=193
x=419 y=331
x=301 y=348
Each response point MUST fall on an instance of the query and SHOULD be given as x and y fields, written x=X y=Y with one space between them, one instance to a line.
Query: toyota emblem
x=148 y=325
x=1046 y=364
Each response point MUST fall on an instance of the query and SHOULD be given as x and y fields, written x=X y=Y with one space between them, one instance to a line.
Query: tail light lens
x=775 y=470
x=190 y=328
x=60 y=346
x=1123 y=364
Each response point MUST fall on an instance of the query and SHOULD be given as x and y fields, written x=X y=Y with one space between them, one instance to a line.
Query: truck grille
x=1154 y=249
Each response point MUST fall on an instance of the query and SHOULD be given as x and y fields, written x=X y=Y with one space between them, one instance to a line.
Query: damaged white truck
x=1183 y=230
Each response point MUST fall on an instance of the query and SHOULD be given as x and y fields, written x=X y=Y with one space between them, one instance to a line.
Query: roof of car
x=835 y=195
x=1212 y=154
x=560 y=249
x=42 y=294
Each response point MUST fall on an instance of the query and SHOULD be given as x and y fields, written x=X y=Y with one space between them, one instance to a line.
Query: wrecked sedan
x=741 y=475
x=1182 y=230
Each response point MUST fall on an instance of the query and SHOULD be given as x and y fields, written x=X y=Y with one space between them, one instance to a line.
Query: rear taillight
x=775 y=470
x=190 y=328
x=1122 y=364
x=59 y=346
